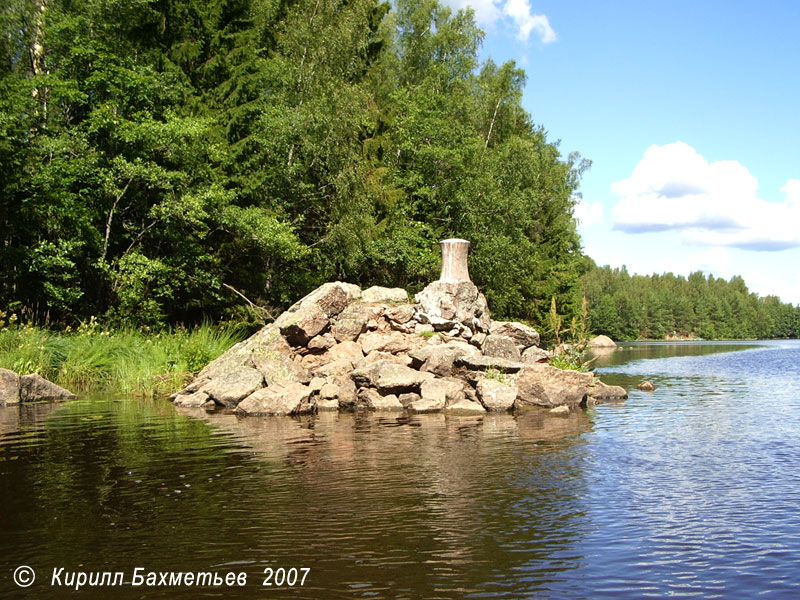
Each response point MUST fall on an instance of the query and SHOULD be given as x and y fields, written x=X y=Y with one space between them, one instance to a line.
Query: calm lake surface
x=690 y=491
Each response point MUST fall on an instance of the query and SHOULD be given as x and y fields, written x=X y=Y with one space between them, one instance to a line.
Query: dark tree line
x=628 y=307
x=173 y=160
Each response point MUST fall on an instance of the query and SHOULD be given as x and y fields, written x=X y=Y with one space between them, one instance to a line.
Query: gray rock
x=329 y=391
x=543 y=385
x=371 y=399
x=646 y=386
x=409 y=398
x=321 y=343
x=276 y=363
x=600 y=392
x=456 y=302
x=465 y=407
x=383 y=294
x=233 y=386
x=560 y=410
x=389 y=377
x=423 y=328
x=440 y=359
x=348 y=395
x=601 y=341
x=523 y=335
x=393 y=342
x=496 y=395
x=335 y=368
x=444 y=391
x=352 y=321
x=426 y=405
x=501 y=346
x=289 y=399
x=346 y=350
x=485 y=363
x=378 y=355
x=316 y=384
x=401 y=314
x=303 y=324
x=9 y=387
x=477 y=339
x=34 y=387
x=331 y=298
x=534 y=354
x=195 y=400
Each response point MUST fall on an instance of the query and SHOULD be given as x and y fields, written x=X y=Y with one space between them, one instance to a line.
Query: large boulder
x=439 y=360
x=303 y=324
x=233 y=386
x=546 y=386
x=601 y=341
x=352 y=321
x=400 y=314
x=465 y=407
x=34 y=387
x=288 y=399
x=194 y=400
x=9 y=387
x=523 y=335
x=389 y=377
x=383 y=294
x=534 y=354
x=444 y=302
x=392 y=342
x=371 y=399
x=502 y=346
x=488 y=363
x=496 y=395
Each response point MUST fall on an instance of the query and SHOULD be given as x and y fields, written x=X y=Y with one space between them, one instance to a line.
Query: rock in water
x=646 y=386
x=601 y=341
x=337 y=350
x=546 y=386
x=35 y=387
x=9 y=387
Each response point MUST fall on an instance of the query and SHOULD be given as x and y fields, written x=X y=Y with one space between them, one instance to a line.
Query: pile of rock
x=15 y=388
x=342 y=349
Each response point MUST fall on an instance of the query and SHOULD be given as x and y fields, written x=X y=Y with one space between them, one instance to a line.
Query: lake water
x=690 y=491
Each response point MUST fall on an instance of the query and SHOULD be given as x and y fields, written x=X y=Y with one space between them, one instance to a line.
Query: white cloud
x=526 y=20
x=519 y=12
x=588 y=214
x=711 y=203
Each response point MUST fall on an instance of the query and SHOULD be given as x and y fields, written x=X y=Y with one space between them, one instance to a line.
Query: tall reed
x=125 y=360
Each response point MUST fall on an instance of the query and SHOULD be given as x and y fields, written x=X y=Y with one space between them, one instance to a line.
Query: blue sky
x=689 y=113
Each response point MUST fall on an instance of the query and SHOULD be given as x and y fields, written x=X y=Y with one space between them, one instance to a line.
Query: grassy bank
x=127 y=361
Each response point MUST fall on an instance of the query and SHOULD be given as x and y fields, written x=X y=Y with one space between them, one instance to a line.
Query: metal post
x=454 y=260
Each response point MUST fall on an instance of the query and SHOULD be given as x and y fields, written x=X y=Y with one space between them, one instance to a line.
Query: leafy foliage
x=626 y=307
x=171 y=161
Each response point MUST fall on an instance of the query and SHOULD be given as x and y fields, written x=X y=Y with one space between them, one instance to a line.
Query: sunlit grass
x=125 y=360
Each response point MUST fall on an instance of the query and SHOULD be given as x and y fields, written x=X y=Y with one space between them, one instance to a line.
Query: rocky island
x=344 y=348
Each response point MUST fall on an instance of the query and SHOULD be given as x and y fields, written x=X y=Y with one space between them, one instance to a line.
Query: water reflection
x=377 y=505
x=689 y=490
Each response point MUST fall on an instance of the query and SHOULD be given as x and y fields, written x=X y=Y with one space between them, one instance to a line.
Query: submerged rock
x=600 y=392
x=646 y=386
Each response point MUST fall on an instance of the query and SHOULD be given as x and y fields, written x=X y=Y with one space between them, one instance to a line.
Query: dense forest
x=174 y=161
x=168 y=161
x=629 y=307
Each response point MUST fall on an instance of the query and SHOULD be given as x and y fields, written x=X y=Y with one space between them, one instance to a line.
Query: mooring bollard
x=454 y=260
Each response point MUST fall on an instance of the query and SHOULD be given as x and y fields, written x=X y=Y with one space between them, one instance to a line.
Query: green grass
x=126 y=360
